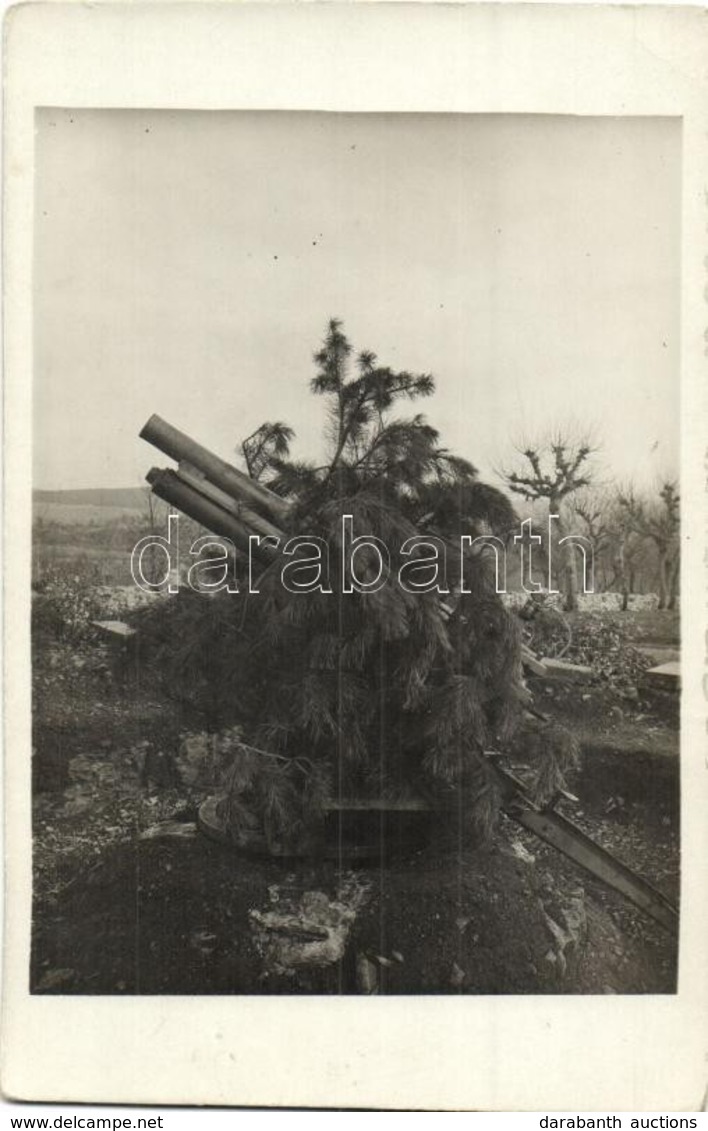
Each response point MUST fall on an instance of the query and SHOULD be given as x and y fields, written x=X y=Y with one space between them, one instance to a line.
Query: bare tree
x=620 y=555
x=553 y=470
x=152 y=571
x=592 y=511
x=658 y=520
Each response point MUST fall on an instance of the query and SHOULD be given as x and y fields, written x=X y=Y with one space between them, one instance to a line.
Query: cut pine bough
x=228 y=502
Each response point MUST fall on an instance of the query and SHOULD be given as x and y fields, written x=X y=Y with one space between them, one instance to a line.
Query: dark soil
x=114 y=914
x=172 y=917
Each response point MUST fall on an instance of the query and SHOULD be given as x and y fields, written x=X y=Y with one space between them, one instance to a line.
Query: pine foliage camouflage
x=380 y=693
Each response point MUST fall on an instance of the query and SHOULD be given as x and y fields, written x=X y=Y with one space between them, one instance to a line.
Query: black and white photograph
x=373 y=686
x=354 y=572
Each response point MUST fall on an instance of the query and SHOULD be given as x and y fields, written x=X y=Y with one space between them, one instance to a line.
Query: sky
x=187 y=263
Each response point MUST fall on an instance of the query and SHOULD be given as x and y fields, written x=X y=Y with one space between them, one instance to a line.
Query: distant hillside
x=102 y=506
x=127 y=498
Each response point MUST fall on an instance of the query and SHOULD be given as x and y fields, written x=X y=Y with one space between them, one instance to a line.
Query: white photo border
x=424 y=1052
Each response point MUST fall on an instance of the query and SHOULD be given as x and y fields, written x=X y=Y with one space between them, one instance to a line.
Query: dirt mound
x=175 y=916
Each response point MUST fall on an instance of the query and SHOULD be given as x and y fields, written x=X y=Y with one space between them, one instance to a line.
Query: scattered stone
x=204 y=759
x=571 y=934
x=614 y=803
x=458 y=976
x=203 y=941
x=55 y=979
x=367 y=979
x=397 y=955
x=304 y=930
x=127 y=598
x=185 y=830
x=310 y=933
x=317 y=906
x=461 y=922
x=522 y=853
x=76 y=804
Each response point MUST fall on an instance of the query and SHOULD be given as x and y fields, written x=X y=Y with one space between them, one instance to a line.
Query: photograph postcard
x=354 y=568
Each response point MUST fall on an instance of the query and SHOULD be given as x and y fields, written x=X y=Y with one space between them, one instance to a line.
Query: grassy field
x=91 y=533
x=85 y=514
x=127 y=498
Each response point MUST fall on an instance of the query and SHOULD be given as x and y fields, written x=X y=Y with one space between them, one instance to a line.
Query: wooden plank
x=669 y=675
x=573 y=843
x=116 y=628
x=547 y=824
x=378 y=805
x=561 y=669
x=567 y=838
x=532 y=663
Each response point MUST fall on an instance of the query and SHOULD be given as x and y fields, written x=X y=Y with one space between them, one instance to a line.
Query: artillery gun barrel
x=251 y=519
x=181 y=447
x=167 y=485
